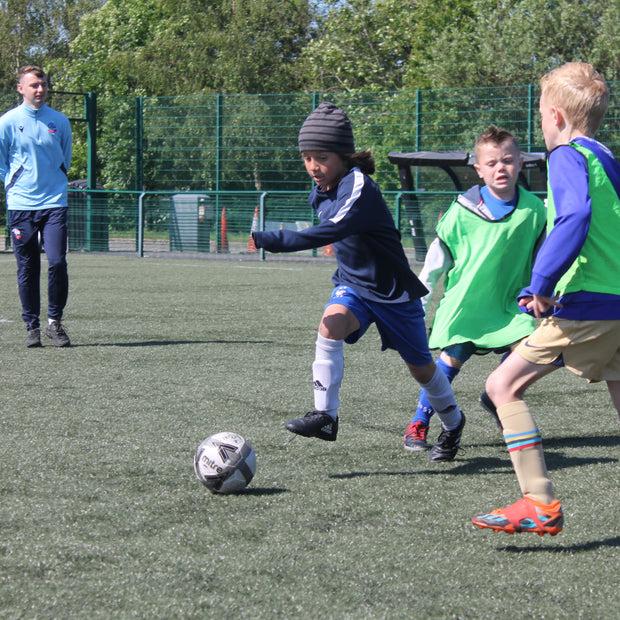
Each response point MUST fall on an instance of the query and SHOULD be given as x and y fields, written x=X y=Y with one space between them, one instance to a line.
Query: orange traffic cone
x=251 y=245
x=328 y=250
x=224 y=233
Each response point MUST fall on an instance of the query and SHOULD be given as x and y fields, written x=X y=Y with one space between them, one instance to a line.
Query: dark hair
x=31 y=69
x=362 y=160
x=496 y=135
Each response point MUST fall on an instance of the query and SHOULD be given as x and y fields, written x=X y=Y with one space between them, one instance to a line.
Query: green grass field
x=101 y=515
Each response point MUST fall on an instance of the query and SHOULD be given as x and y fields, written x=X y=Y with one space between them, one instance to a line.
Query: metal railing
x=203 y=224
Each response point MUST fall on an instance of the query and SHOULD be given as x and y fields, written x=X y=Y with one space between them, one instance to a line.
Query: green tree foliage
x=377 y=44
x=605 y=54
x=161 y=47
x=105 y=55
x=516 y=41
x=36 y=32
x=408 y=44
x=175 y=47
x=259 y=45
x=121 y=49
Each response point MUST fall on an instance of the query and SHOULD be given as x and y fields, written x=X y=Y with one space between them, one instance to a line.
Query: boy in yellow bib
x=485 y=249
x=574 y=288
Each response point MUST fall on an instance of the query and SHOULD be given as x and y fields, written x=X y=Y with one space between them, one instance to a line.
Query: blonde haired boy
x=574 y=288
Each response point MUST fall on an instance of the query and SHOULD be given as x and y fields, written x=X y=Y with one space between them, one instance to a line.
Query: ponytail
x=362 y=160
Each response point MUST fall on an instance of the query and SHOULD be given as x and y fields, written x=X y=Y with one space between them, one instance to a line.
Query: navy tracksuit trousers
x=25 y=227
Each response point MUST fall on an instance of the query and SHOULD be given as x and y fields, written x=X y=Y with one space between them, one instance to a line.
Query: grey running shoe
x=487 y=405
x=58 y=335
x=448 y=443
x=315 y=424
x=415 y=437
x=34 y=338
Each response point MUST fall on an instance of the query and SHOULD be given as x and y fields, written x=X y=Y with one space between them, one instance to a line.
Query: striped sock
x=524 y=444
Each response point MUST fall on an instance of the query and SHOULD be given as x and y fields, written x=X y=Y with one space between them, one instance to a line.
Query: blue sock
x=449 y=371
x=425 y=409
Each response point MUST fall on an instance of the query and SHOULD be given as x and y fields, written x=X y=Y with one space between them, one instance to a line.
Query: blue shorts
x=464 y=350
x=401 y=325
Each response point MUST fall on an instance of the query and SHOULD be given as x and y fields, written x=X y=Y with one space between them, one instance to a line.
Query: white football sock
x=327 y=372
x=441 y=397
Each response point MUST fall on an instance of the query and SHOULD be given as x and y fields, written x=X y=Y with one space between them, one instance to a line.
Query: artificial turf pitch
x=101 y=515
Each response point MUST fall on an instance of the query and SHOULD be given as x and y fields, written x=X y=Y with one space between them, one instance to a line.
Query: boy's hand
x=539 y=305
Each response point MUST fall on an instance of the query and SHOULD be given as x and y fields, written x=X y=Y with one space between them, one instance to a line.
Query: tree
x=103 y=57
x=516 y=41
x=259 y=47
x=604 y=54
x=409 y=44
x=377 y=44
x=161 y=47
x=36 y=32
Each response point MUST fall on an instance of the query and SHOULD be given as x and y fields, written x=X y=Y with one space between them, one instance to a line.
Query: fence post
x=141 y=225
x=139 y=138
x=91 y=133
x=418 y=131
x=219 y=135
x=531 y=111
x=261 y=220
x=315 y=103
x=418 y=119
x=397 y=210
x=90 y=103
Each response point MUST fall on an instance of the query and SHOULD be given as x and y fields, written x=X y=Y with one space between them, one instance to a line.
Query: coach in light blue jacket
x=35 y=154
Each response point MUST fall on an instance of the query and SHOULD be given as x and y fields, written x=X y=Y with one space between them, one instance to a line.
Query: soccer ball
x=225 y=463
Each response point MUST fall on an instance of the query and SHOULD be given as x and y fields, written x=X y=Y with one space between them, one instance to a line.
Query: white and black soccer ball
x=225 y=463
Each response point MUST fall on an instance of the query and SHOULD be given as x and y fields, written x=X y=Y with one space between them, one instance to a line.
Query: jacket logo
x=52 y=127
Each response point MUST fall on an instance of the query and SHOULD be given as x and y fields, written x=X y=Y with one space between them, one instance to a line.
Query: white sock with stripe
x=327 y=373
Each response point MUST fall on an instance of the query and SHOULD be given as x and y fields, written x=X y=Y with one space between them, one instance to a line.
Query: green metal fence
x=171 y=223
x=230 y=154
x=249 y=142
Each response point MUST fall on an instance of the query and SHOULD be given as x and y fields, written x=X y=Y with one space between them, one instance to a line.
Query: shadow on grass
x=483 y=465
x=160 y=343
x=554 y=460
x=259 y=492
x=580 y=441
x=614 y=541
x=490 y=465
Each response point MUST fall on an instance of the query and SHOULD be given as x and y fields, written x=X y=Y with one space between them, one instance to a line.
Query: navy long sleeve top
x=355 y=219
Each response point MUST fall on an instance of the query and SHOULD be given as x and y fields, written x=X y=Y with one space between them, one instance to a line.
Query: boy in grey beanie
x=373 y=281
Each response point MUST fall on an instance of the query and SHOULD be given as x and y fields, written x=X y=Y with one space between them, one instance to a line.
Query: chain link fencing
x=194 y=174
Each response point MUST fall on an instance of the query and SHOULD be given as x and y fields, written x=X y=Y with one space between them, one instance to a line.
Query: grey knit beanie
x=328 y=128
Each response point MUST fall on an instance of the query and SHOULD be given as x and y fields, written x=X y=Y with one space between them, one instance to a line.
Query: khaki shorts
x=590 y=349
